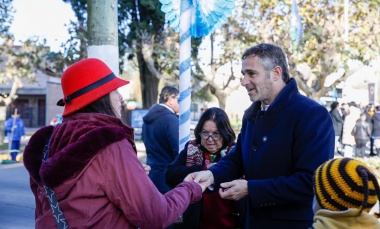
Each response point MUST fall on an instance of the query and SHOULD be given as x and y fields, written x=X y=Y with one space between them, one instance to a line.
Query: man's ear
x=276 y=73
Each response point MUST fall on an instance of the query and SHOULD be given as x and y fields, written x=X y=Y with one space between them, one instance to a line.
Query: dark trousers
x=372 y=143
x=15 y=149
x=360 y=147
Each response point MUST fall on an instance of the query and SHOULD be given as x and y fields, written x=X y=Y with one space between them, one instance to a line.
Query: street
x=17 y=200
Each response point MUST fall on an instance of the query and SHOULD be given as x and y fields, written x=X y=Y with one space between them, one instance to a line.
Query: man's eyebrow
x=247 y=70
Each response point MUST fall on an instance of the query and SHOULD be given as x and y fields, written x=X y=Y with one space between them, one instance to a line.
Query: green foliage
x=323 y=47
x=19 y=61
x=6 y=17
x=145 y=38
x=143 y=35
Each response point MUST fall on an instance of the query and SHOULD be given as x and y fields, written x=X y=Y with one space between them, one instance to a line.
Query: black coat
x=337 y=121
x=362 y=130
x=160 y=135
x=376 y=124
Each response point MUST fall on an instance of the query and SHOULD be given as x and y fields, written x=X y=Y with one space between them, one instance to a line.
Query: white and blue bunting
x=207 y=15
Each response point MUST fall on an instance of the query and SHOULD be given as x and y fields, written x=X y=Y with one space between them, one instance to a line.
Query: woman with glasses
x=214 y=139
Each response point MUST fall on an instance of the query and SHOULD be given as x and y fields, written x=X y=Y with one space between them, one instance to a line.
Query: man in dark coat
x=338 y=121
x=375 y=135
x=160 y=133
x=284 y=137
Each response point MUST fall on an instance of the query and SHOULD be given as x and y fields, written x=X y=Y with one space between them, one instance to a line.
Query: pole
x=103 y=32
x=184 y=73
x=196 y=18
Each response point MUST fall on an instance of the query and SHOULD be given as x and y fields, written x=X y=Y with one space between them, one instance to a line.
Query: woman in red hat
x=90 y=166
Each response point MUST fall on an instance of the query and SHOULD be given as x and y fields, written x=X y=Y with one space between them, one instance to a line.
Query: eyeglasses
x=206 y=135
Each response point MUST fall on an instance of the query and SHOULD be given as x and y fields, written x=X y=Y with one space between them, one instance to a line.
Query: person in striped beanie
x=345 y=191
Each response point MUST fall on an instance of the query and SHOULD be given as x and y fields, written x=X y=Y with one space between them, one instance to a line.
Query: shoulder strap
x=57 y=212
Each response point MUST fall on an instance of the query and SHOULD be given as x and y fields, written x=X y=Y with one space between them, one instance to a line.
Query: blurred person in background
x=361 y=133
x=336 y=116
x=348 y=140
x=375 y=134
x=160 y=134
x=343 y=109
x=15 y=129
x=369 y=112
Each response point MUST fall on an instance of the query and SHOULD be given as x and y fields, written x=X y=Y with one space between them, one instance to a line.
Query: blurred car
x=56 y=120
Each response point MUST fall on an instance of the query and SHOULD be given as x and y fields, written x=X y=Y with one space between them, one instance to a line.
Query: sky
x=42 y=18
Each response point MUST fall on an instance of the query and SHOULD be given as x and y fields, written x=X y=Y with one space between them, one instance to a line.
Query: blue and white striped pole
x=195 y=18
x=184 y=73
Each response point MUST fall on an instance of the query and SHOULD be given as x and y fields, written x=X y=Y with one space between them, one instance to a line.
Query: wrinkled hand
x=234 y=190
x=203 y=178
x=146 y=168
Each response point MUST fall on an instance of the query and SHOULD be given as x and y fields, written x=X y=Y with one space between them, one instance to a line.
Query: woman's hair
x=222 y=122
x=334 y=105
x=102 y=105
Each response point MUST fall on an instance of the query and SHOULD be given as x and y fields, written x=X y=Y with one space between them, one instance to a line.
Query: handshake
x=233 y=190
x=203 y=178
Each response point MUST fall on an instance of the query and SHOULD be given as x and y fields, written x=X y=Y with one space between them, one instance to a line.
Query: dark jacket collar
x=278 y=103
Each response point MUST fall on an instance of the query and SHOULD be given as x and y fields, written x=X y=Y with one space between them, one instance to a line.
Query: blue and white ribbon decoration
x=205 y=15
x=195 y=18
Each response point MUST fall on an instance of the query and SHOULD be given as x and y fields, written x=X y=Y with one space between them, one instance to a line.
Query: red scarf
x=195 y=154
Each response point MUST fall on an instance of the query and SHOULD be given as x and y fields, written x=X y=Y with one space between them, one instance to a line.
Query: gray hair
x=270 y=56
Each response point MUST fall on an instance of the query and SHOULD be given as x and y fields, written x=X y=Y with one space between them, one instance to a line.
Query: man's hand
x=234 y=190
x=203 y=178
x=146 y=168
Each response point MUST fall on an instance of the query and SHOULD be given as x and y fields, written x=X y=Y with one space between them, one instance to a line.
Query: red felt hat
x=86 y=81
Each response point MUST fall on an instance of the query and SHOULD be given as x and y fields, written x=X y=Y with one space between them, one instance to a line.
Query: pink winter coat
x=97 y=178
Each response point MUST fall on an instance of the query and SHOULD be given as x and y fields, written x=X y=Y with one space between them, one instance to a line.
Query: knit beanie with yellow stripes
x=344 y=183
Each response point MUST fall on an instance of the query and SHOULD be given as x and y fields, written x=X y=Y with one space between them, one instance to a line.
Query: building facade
x=36 y=101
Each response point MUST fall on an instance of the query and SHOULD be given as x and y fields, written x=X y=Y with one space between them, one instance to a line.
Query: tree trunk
x=222 y=98
x=103 y=32
x=149 y=83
